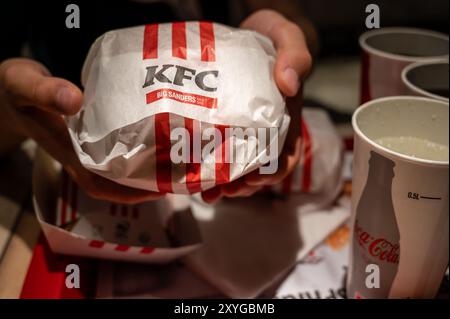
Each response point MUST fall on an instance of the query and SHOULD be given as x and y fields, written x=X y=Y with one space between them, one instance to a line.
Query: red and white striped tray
x=76 y=224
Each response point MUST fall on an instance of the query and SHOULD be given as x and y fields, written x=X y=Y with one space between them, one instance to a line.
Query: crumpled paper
x=141 y=83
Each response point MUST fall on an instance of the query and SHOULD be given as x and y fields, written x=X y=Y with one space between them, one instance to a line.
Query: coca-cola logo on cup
x=380 y=248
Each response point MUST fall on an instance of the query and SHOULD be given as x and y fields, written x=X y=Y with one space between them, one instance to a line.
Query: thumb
x=28 y=83
x=293 y=58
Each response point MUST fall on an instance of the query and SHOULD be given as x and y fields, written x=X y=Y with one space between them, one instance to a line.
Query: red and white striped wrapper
x=226 y=80
x=321 y=160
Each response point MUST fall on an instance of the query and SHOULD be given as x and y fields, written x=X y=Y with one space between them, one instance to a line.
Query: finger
x=212 y=195
x=235 y=188
x=49 y=131
x=286 y=164
x=243 y=190
x=294 y=61
x=257 y=179
x=27 y=83
x=104 y=189
x=250 y=190
x=294 y=107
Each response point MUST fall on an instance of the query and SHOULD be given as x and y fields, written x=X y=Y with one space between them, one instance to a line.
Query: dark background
x=37 y=28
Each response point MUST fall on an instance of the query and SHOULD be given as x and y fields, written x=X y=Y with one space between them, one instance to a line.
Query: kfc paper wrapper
x=141 y=83
x=319 y=170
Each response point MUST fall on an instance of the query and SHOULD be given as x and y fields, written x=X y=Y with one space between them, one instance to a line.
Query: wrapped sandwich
x=179 y=107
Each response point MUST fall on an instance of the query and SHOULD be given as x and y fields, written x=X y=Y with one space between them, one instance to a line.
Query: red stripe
x=113 y=209
x=122 y=247
x=222 y=168
x=189 y=98
x=74 y=201
x=124 y=210
x=193 y=170
x=207 y=42
x=163 y=145
x=179 y=40
x=307 y=161
x=96 y=243
x=64 y=194
x=150 y=47
x=147 y=250
x=287 y=184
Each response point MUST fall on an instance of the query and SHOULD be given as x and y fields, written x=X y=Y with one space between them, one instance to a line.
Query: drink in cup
x=400 y=229
x=429 y=79
x=386 y=51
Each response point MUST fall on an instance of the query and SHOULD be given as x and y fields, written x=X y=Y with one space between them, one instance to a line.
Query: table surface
x=19 y=229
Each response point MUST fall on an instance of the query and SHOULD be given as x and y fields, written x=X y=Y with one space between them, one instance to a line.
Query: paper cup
x=386 y=51
x=400 y=217
x=428 y=79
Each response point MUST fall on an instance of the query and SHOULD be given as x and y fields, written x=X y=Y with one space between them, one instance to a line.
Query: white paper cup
x=386 y=51
x=399 y=202
x=428 y=79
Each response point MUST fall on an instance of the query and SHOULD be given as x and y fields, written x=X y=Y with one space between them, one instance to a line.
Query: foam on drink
x=415 y=147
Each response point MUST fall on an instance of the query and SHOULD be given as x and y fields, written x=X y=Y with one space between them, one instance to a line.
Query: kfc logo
x=191 y=80
x=182 y=73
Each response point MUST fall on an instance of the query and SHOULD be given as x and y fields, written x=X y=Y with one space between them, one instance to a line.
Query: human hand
x=33 y=103
x=292 y=65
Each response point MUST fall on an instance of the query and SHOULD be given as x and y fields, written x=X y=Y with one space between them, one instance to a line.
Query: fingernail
x=291 y=79
x=64 y=99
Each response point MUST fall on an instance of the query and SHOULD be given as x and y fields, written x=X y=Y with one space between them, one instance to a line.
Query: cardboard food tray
x=75 y=224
